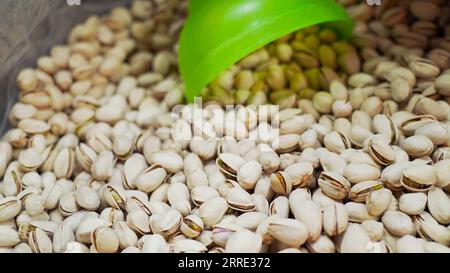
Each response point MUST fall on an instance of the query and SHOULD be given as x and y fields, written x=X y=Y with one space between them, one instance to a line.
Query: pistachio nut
x=374 y=228
x=151 y=178
x=335 y=219
x=355 y=240
x=439 y=205
x=357 y=212
x=114 y=196
x=244 y=241
x=212 y=210
x=309 y=213
x=380 y=151
x=378 y=201
x=87 y=198
x=412 y=203
x=358 y=172
x=10 y=207
x=418 y=178
x=9 y=237
x=334 y=185
x=291 y=232
x=300 y=173
x=126 y=236
x=39 y=242
x=360 y=191
x=280 y=206
x=397 y=223
x=281 y=182
x=170 y=161
x=192 y=226
x=417 y=146
x=240 y=200
x=429 y=229
x=229 y=164
x=105 y=240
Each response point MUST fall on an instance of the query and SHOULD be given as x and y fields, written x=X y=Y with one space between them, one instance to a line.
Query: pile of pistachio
x=398 y=26
x=296 y=66
x=98 y=161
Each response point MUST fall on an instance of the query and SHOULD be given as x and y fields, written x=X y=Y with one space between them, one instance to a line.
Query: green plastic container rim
x=199 y=65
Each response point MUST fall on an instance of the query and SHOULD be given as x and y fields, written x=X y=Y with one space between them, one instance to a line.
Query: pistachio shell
x=418 y=178
x=412 y=203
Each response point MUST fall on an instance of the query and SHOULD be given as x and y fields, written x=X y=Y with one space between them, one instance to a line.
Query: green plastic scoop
x=218 y=33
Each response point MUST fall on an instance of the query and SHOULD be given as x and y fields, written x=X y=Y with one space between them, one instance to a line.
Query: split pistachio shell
x=434 y=131
x=429 y=229
x=9 y=208
x=126 y=236
x=192 y=226
x=360 y=191
x=384 y=125
x=222 y=232
x=280 y=206
x=281 y=182
x=229 y=163
x=334 y=185
x=86 y=227
x=139 y=222
x=336 y=142
x=391 y=175
x=418 y=178
x=322 y=199
x=202 y=193
x=240 y=200
x=335 y=219
x=417 y=146
x=104 y=240
x=114 y=196
x=39 y=242
x=132 y=168
x=381 y=152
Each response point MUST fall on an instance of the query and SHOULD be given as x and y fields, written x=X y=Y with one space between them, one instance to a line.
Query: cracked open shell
x=229 y=164
x=359 y=192
x=240 y=200
x=192 y=226
x=334 y=185
x=418 y=178
x=281 y=183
